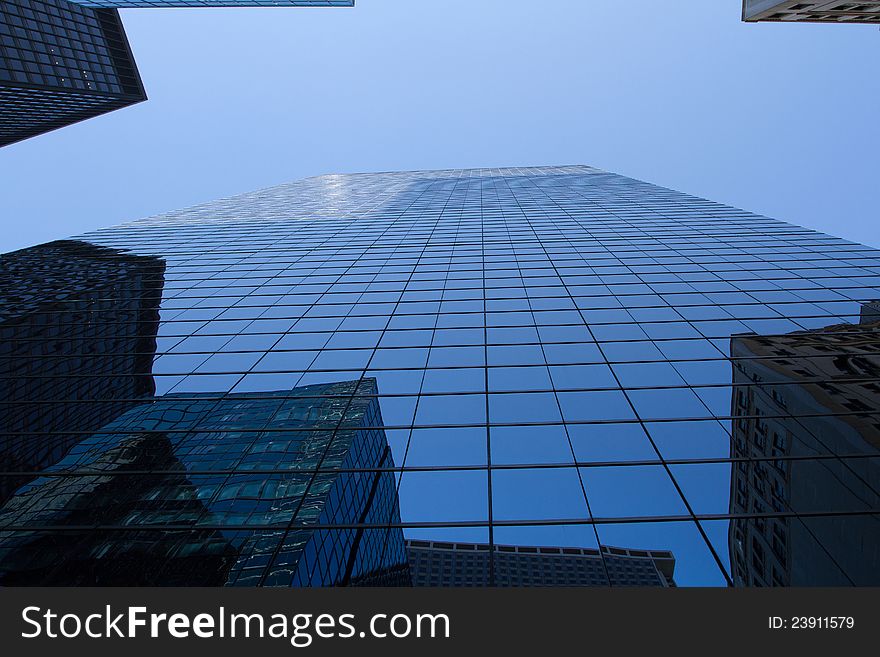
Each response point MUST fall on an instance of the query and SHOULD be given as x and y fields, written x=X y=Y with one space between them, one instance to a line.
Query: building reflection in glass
x=78 y=327
x=437 y=563
x=268 y=489
x=550 y=348
x=806 y=431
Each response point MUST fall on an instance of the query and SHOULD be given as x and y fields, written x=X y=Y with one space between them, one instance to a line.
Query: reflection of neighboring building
x=248 y=489
x=107 y=499
x=812 y=11
x=78 y=327
x=806 y=394
x=870 y=312
x=437 y=563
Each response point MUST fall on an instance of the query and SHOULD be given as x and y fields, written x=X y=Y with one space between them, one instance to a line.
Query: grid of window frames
x=61 y=63
x=815 y=11
x=215 y=3
x=562 y=358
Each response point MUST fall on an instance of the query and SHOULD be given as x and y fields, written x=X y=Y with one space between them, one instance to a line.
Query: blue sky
x=774 y=118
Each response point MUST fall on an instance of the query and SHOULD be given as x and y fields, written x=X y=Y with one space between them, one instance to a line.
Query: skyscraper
x=814 y=11
x=214 y=3
x=437 y=563
x=551 y=357
x=66 y=61
x=61 y=63
x=78 y=327
x=811 y=397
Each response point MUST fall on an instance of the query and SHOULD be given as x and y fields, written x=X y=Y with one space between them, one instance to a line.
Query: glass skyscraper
x=214 y=3
x=71 y=311
x=61 y=63
x=66 y=61
x=543 y=375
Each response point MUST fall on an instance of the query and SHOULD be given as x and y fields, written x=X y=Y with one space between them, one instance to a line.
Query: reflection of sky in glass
x=566 y=328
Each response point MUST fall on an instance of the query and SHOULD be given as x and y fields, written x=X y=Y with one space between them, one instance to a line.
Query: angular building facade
x=814 y=11
x=214 y=3
x=440 y=564
x=61 y=63
x=553 y=356
x=806 y=433
x=78 y=327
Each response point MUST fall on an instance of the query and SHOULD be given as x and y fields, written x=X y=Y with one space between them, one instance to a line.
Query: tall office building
x=437 y=563
x=813 y=11
x=61 y=63
x=78 y=327
x=806 y=433
x=551 y=355
x=214 y=3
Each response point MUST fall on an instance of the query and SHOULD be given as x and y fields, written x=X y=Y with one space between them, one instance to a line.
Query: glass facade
x=215 y=3
x=61 y=63
x=71 y=309
x=550 y=375
x=66 y=61
x=240 y=490
x=436 y=563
